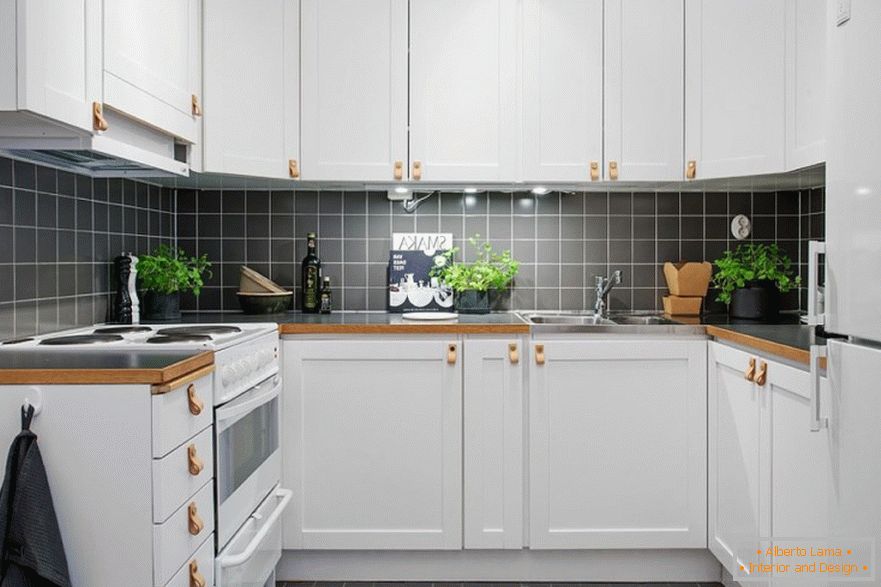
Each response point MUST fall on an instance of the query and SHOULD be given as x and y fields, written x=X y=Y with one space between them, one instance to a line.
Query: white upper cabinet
x=464 y=123
x=493 y=408
x=562 y=89
x=354 y=75
x=734 y=86
x=58 y=79
x=151 y=63
x=644 y=78
x=805 y=82
x=617 y=444
x=252 y=88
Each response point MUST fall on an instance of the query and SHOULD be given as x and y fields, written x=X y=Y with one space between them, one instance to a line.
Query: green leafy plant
x=167 y=271
x=751 y=263
x=490 y=271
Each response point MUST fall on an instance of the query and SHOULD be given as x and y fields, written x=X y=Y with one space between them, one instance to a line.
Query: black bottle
x=311 y=277
x=326 y=305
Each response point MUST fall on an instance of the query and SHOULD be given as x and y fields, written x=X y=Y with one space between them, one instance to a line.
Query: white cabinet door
x=51 y=62
x=151 y=62
x=562 y=89
x=801 y=462
x=373 y=444
x=739 y=464
x=734 y=86
x=252 y=88
x=805 y=82
x=494 y=443
x=644 y=95
x=354 y=69
x=464 y=124
x=618 y=444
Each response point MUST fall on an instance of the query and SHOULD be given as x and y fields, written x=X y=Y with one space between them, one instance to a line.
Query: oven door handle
x=241 y=558
x=229 y=414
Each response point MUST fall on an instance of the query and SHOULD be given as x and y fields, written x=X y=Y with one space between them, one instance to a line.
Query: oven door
x=250 y=557
x=248 y=458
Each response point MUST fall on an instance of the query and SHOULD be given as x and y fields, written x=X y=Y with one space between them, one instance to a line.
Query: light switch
x=843 y=12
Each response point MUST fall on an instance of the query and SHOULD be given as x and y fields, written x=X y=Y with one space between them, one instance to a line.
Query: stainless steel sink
x=640 y=319
x=619 y=322
x=586 y=320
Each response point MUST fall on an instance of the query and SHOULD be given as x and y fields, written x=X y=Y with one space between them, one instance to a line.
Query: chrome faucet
x=603 y=286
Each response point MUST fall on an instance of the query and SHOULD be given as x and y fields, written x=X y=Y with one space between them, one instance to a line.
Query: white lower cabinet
x=494 y=424
x=127 y=515
x=770 y=475
x=617 y=444
x=373 y=443
x=739 y=512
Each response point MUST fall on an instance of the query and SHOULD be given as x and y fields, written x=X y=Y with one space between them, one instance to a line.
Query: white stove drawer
x=181 y=413
x=250 y=557
x=179 y=474
x=175 y=540
x=199 y=566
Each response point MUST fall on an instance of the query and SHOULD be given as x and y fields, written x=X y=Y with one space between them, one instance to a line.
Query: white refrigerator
x=852 y=250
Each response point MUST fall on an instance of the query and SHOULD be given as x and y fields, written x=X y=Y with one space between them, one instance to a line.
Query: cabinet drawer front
x=181 y=414
x=174 y=480
x=173 y=542
x=204 y=559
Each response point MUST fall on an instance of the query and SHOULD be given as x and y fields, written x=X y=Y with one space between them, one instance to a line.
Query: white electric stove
x=244 y=353
x=247 y=387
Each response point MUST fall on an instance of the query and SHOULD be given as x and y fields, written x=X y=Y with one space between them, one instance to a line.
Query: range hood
x=92 y=163
x=127 y=149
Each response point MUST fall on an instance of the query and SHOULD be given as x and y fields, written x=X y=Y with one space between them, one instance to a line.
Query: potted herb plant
x=163 y=275
x=751 y=278
x=473 y=283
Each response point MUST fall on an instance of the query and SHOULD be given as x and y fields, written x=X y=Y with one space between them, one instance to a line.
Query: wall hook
x=36 y=403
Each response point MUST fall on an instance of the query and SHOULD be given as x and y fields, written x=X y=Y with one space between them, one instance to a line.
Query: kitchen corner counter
x=384 y=323
x=100 y=368
x=790 y=341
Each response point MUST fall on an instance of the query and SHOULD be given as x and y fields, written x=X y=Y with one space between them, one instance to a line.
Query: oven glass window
x=245 y=445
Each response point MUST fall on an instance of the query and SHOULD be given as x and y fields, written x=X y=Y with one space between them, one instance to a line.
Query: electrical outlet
x=843 y=12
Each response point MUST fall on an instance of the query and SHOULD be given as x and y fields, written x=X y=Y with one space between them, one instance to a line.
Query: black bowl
x=265 y=303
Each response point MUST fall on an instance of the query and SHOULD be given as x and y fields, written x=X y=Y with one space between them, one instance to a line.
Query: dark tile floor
x=420 y=584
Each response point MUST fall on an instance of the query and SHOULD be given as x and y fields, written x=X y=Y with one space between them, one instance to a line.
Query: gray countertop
x=788 y=332
x=373 y=318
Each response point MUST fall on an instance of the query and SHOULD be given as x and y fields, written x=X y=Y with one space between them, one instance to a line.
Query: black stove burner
x=81 y=339
x=168 y=339
x=199 y=330
x=122 y=330
x=17 y=341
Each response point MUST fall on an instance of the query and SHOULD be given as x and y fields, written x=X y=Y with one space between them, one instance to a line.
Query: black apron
x=31 y=550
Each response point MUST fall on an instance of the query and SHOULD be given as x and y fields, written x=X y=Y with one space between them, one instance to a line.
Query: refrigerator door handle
x=817 y=421
x=815 y=249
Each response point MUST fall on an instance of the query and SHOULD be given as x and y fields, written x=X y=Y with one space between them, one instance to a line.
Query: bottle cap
x=311 y=235
x=327 y=280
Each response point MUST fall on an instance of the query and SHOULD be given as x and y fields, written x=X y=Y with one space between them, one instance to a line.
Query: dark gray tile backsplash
x=562 y=239
x=59 y=233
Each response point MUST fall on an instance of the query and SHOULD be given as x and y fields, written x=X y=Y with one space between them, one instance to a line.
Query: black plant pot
x=760 y=300
x=472 y=302
x=161 y=307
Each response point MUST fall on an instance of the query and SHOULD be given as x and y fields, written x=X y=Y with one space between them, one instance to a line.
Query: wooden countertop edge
x=420 y=328
x=775 y=348
x=107 y=376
